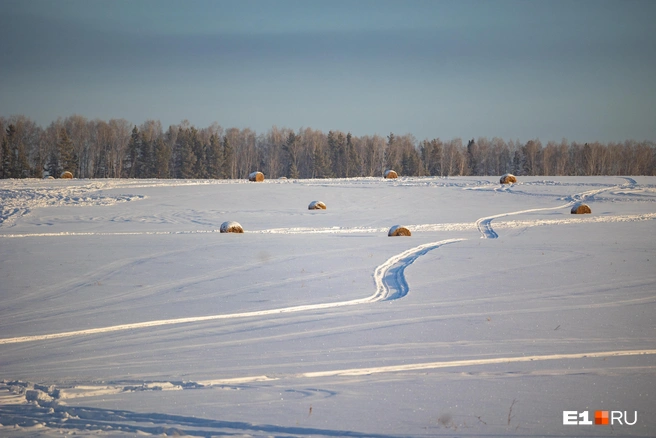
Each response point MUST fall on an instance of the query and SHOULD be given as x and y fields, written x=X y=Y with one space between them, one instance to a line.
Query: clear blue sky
x=582 y=70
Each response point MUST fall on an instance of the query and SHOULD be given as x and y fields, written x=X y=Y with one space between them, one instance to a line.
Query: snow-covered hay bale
x=398 y=230
x=48 y=177
x=390 y=174
x=581 y=209
x=256 y=176
x=508 y=178
x=231 y=227
x=316 y=205
x=67 y=175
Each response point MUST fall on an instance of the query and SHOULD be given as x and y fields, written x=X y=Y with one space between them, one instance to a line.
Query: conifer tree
x=334 y=153
x=389 y=153
x=353 y=159
x=200 y=153
x=5 y=166
x=162 y=157
x=431 y=155
x=67 y=157
x=320 y=164
x=214 y=158
x=37 y=171
x=53 y=167
x=186 y=157
x=20 y=167
x=473 y=159
x=518 y=163
x=410 y=163
x=147 y=165
x=14 y=158
x=291 y=146
x=131 y=163
x=337 y=146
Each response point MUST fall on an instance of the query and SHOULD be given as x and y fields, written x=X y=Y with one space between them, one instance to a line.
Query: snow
x=125 y=311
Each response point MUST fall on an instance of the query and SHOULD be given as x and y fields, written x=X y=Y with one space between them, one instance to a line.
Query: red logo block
x=601 y=418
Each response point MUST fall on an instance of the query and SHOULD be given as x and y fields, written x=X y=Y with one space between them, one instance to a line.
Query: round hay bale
x=581 y=209
x=316 y=205
x=67 y=175
x=256 y=176
x=48 y=177
x=508 y=178
x=231 y=227
x=390 y=174
x=398 y=230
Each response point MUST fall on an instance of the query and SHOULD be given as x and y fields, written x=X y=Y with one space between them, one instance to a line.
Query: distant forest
x=119 y=149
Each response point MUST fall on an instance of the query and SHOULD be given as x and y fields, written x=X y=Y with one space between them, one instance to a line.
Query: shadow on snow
x=84 y=418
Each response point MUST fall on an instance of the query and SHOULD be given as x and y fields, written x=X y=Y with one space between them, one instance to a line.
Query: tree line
x=119 y=149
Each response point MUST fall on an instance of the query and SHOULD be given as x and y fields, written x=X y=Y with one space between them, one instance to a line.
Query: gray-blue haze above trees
x=582 y=70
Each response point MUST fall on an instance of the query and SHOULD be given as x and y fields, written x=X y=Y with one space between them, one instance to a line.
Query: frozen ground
x=124 y=311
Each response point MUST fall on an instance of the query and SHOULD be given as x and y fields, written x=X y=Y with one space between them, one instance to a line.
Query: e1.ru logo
x=601 y=418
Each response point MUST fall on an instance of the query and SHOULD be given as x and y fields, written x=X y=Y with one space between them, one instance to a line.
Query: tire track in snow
x=366 y=371
x=456 y=226
x=421 y=366
x=484 y=224
x=389 y=286
x=293 y=230
x=472 y=362
x=93 y=390
x=391 y=274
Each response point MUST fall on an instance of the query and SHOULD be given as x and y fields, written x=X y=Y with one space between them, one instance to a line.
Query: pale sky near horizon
x=582 y=70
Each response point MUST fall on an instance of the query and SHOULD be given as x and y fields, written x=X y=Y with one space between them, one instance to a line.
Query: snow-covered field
x=124 y=311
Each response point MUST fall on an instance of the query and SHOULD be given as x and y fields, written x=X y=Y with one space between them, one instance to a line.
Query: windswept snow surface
x=124 y=311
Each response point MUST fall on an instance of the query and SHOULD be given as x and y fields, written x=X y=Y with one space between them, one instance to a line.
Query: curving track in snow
x=459 y=226
x=390 y=276
x=389 y=280
x=484 y=224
